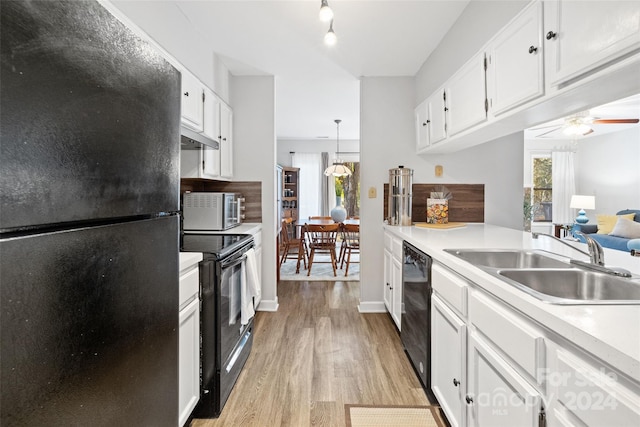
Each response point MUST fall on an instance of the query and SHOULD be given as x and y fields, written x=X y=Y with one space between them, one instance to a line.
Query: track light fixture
x=326 y=14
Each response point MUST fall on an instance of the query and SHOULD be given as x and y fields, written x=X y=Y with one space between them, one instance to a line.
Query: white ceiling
x=627 y=108
x=316 y=84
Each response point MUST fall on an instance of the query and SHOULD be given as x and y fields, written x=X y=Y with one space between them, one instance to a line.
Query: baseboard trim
x=268 y=305
x=372 y=307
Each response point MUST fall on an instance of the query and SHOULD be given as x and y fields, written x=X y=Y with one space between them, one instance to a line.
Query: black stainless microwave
x=204 y=211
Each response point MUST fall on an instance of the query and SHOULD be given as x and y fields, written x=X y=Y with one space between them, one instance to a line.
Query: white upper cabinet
x=225 y=137
x=192 y=101
x=466 y=96
x=583 y=36
x=437 y=114
x=515 y=62
x=422 y=126
x=210 y=114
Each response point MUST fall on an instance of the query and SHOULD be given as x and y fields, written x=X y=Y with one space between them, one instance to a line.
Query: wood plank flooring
x=313 y=356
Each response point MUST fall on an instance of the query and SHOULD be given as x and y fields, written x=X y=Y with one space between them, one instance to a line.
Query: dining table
x=316 y=221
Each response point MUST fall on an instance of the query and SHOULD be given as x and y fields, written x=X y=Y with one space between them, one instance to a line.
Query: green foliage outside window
x=542 y=189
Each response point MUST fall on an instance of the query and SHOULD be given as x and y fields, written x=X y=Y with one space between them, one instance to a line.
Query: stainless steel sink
x=507 y=258
x=574 y=286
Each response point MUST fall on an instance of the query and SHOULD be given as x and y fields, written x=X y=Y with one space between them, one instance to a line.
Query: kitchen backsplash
x=466 y=205
x=251 y=190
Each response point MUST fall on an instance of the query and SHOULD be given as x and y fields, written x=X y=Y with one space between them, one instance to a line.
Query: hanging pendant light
x=326 y=14
x=338 y=167
x=330 y=38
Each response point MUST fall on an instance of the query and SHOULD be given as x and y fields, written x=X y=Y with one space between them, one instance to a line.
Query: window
x=541 y=193
x=348 y=187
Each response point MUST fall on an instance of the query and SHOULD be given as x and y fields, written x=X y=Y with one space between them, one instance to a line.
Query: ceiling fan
x=580 y=124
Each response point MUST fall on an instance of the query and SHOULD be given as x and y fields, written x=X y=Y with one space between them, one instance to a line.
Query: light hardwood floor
x=313 y=356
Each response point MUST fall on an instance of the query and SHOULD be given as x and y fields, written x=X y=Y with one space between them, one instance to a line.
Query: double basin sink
x=550 y=279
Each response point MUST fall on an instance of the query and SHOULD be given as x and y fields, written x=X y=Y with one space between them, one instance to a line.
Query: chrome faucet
x=595 y=254
x=535 y=235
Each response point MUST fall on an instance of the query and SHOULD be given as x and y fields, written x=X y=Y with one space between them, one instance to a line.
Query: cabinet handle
x=469 y=400
x=533 y=49
x=456 y=382
x=551 y=35
x=426 y=123
x=186 y=94
x=446 y=109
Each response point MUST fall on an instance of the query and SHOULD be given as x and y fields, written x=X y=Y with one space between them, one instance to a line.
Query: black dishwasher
x=416 y=312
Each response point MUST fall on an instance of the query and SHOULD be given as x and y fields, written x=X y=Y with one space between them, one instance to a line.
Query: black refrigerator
x=89 y=225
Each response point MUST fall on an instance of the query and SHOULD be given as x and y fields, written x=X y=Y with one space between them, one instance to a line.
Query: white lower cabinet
x=392 y=277
x=388 y=259
x=189 y=356
x=188 y=341
x=448 y=358
x=496 y=394
x=588 y=393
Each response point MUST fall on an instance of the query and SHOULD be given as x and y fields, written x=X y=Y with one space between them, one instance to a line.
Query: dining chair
x=292 y=247
x=322 y=239
x=351 y=244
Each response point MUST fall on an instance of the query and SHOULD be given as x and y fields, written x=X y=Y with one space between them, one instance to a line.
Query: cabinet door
x=581 y=36
x=497 y=395
x=192 y=101
x=226 y=141
x=387 y=279
x=585 y=389
x=210 y=114
x=210 y=162
x=396 y=291
x=189 y=360
x=422 y=126
x=515 y=64
x=437 y=114
x=466 y=96
x=448 y=358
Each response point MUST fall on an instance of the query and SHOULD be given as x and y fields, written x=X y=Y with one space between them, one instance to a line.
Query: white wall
x=286 y=146
x=608 y=167
x=254 y=139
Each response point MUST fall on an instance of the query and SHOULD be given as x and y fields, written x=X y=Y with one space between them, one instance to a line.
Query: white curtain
x=310 y=185
x=328 y=187
x=564 y=186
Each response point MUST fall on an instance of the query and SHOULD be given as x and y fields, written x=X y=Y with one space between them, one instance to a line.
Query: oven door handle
x=234 y=262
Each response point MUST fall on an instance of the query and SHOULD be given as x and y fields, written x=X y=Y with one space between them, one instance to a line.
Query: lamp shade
x=337 y=169
x=582 y=202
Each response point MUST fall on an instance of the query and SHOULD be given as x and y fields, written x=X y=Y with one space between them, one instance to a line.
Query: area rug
x=392 y=416
x=321 y=271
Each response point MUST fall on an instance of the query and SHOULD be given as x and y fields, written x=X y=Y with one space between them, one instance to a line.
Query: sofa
x=607 y=240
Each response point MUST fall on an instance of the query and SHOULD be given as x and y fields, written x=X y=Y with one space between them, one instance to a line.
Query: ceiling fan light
x=576 y=129
x=325 y=14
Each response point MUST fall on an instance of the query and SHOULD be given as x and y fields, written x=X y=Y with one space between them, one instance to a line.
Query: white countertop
x=187 y=259
x=610 y=332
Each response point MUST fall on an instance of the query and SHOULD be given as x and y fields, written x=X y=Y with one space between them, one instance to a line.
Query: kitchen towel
x=250 y=287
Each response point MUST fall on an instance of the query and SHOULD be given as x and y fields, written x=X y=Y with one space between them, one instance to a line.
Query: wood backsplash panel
x=467 y=204
x=251 y=190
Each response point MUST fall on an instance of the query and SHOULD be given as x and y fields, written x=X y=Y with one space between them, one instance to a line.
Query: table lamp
x=582 y=203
